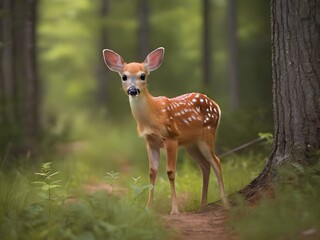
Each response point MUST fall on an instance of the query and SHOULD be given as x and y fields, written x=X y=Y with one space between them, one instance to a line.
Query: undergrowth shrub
x=293 y=212
x=98 y=215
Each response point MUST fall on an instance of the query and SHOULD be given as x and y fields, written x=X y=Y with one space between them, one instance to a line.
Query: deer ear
x=113 y=60
x=154 y=59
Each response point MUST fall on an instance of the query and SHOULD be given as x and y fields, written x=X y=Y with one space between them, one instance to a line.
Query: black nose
x=133 y=91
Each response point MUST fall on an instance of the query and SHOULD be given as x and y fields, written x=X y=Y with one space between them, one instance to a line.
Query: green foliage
x=293 y=212
x=97 y=216
x=89 y=216
x=266 y=136
x=14 y=193
x=112 y=176
x=139 y=190
x=48 y=184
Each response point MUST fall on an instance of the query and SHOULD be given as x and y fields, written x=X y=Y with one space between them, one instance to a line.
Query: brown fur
x=189 y=120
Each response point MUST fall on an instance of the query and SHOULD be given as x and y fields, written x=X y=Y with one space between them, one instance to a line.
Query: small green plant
x=267 y=136
x=135 y=180
x=112 y=176
x=48 y=182
x=138 y=189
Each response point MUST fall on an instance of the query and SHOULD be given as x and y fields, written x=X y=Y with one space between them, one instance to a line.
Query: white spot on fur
x=201 y=99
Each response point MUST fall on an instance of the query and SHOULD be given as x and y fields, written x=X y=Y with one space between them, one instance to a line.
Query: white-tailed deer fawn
x=190 y=120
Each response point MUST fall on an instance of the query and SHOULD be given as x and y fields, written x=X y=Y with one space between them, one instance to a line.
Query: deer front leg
x=153 y=156
x=171 y=147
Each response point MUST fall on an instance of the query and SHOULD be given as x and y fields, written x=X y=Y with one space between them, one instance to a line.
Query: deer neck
x=143 y=108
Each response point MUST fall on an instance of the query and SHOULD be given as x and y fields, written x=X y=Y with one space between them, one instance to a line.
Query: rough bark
x=233 y=55
x=206 y=62
x=296 y=85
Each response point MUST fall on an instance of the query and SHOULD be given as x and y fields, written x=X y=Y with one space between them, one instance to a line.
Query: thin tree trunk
x=233 y=55
x=296 y=86
x=31 y=87
x=143 y=29
x=102 y=74
x=206 y=62
x=7 y=81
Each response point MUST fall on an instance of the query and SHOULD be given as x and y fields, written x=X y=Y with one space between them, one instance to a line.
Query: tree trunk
x=296 y=86
x=19 y=86
x=102 y=74
x=143 y=29
x=233 y=55
x=31 y=87
x=206 y=62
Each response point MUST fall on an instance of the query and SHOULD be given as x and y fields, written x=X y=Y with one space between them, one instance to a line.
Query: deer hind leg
x=171 y=147
x=204 y=166
x=207 y=152
x=153 y=156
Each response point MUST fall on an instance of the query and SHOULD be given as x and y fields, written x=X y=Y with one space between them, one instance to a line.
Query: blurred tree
x=254 y=65
x=206 y=62
x=233 y=55
x=296 y=86
x=19 y=85
x=143 y=29
x=101 y=73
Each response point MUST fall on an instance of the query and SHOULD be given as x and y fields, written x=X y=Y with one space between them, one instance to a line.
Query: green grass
x=28 y=211
x=84 y=152
x=293 y=212
x=56 y=210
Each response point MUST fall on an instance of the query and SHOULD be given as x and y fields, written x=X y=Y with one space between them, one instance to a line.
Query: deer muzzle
x=133 y=91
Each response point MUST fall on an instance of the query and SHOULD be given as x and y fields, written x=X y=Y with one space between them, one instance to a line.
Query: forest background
x=60 y=104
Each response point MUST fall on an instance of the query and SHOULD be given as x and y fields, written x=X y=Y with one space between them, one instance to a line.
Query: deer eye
x=124 y=77
x=143 y=76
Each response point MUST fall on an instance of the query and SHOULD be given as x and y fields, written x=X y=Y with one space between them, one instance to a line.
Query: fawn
x=189 y=120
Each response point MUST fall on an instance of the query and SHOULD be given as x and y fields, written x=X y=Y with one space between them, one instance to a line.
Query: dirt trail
x=209 y=224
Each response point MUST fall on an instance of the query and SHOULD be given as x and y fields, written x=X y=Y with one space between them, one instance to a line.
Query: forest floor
x=210 y=223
